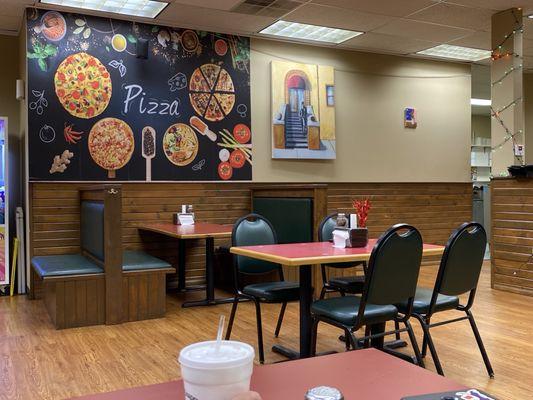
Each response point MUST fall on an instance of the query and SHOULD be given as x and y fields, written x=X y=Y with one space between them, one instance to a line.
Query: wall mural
x=303 y=108
x=98 y=112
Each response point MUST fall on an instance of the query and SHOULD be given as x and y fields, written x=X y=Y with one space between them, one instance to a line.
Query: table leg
x=210 y=279
x=181 y=265
x=306 y=298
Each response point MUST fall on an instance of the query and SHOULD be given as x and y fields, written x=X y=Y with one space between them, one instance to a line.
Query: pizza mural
x=99 y=111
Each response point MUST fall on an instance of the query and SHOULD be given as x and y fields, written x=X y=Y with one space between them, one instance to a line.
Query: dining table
x=306 y=256
x=198 y=230
x=361 y=374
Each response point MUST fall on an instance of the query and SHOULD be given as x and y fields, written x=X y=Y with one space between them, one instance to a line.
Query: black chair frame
x=239 y=295
x=327 y=287
x=354 y=342
x=425 y=319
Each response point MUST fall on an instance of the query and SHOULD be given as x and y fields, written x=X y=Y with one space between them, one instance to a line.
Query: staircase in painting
x=295 y=137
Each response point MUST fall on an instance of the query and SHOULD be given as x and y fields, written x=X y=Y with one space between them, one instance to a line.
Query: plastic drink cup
x=212 y=372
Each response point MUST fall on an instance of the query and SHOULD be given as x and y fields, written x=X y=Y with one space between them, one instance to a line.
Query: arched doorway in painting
x=297 y=89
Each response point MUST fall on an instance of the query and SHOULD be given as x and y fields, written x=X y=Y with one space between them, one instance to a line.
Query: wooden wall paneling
x=512 y=235
x=435 y=208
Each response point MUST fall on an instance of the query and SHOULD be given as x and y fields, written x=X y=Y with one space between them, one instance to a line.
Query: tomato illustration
x=242 y=133
x=237 y=158
x=225 y=171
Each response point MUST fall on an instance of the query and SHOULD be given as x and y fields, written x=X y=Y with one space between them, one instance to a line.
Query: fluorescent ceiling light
x=480 y=102
x=316 y=33
x=138 y=8
x=456 y=52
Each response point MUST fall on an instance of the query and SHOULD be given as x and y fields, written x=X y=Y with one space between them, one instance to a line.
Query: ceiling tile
x=454 y=15
x=214 y=20
x=423 y=30
x=497 y=5
x=387 y=43
x=477 y=40
x=337 y=17
x=217 y=5
x=394 y=8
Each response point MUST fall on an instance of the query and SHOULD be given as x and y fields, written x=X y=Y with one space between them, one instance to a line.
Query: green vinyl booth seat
x=63 y=265
x=139 y=260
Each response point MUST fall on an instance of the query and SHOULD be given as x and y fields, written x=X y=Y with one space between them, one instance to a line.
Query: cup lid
x=205 y=355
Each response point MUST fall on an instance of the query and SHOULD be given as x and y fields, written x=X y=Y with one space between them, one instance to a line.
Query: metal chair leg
x=368 y=332
x=424 y=341
x=322 y=293
x=346 y=338
x=280 y=319
x=414 y=343
x=259 y=331
x=480 y=343
x=353 y=340
x=429 y=339
x=397 y=327
x=314 y=334
x=232 y=317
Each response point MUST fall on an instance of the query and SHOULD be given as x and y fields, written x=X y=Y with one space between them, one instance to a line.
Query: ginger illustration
x=60 y=162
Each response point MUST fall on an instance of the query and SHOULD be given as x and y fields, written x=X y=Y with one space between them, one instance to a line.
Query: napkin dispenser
x=350 y=237
x=183 y=218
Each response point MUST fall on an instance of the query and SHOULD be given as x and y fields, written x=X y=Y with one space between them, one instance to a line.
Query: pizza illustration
x=111 y=144
x=212 y=92
x=83 y=85
x=180 y=144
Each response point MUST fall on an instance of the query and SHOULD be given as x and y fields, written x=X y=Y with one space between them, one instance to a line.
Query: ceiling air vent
x=266 y=8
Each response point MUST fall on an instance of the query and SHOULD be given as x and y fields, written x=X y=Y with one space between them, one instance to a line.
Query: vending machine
x=4 y=214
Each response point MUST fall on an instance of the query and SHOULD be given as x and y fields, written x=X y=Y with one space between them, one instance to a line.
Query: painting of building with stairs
x=303 y=108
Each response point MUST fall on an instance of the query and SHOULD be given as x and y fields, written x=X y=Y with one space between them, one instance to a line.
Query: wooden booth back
x=434 y=208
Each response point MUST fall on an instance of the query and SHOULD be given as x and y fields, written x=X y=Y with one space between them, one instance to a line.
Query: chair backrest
x=326 y=228
x=251 y=230
x=394 y=266
x=92 y=228
x=462 y=260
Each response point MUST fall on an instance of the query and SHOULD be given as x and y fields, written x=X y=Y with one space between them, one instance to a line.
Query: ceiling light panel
x=456 y=53
x=480 y=102
x=138 y=8
x=295 y=30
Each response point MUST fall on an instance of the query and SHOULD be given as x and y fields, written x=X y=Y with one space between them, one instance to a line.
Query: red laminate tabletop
x=197 y=231
x=295 y=254
x=363 y=374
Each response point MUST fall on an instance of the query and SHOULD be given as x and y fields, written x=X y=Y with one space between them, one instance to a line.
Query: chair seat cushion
x=67 y=264
x=423 y=298
x=274 y=291
x=137 y=260
x=349 y=284
x=345 y=310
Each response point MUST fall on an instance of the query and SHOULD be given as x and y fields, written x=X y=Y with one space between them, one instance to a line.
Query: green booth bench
x=102 y=284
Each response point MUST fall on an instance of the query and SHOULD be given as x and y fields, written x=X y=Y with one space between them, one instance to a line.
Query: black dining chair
x=341 y=284
x=391 y=277
x=458 y=274
x=250 y=230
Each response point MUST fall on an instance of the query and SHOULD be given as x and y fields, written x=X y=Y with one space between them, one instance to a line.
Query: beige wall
x=371 y=92
x=481 y=126
x=9 y=106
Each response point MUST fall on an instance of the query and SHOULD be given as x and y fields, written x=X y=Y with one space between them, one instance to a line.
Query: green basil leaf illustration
x=42 y=64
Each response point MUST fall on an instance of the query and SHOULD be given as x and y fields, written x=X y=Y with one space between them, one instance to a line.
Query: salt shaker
x=323 y=393
x=342 y=221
